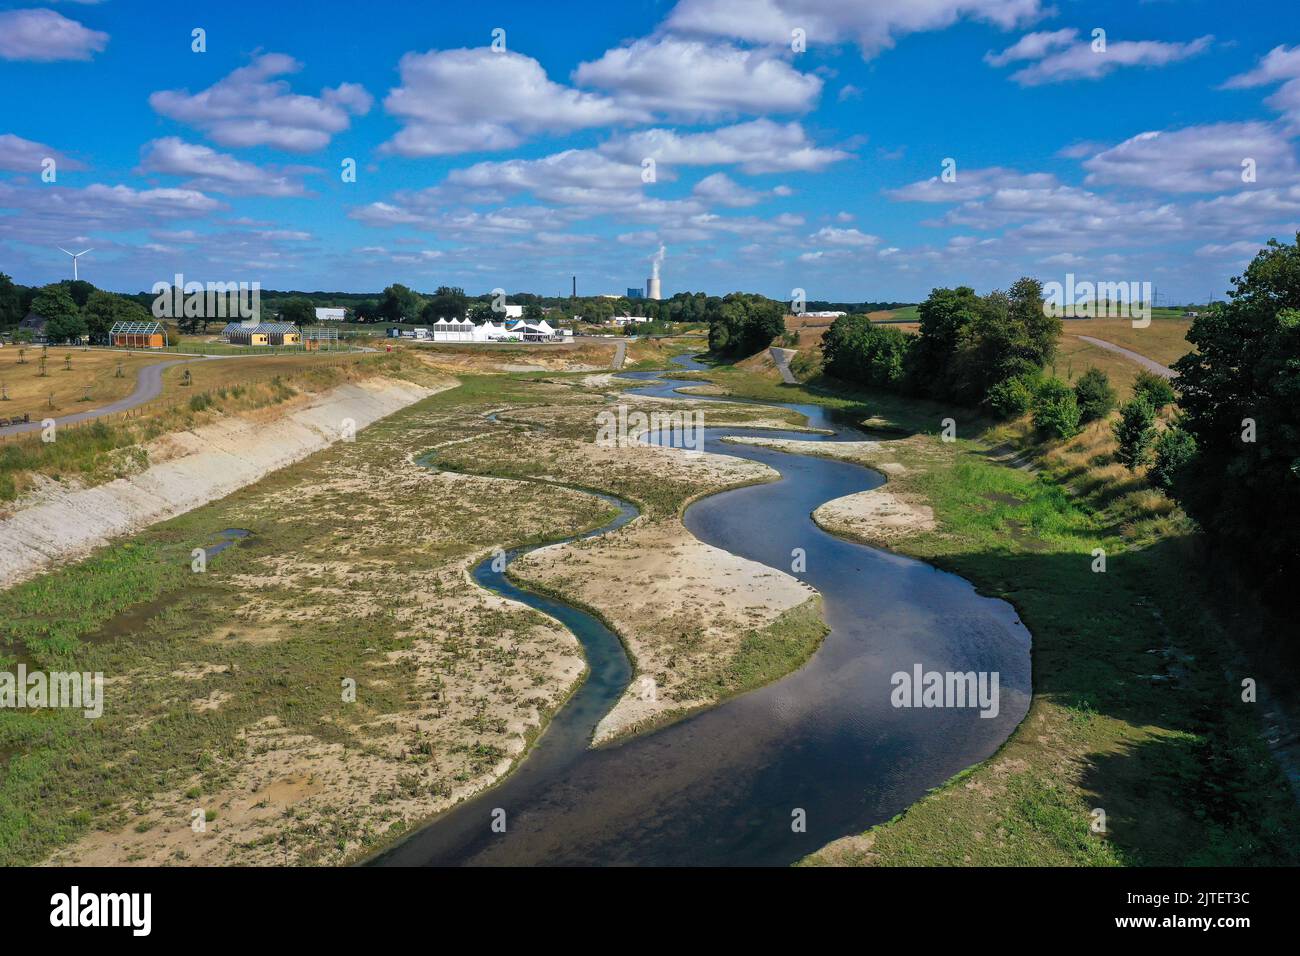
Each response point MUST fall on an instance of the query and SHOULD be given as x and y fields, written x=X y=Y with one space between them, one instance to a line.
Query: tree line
x=973 y=350
x=71 y=309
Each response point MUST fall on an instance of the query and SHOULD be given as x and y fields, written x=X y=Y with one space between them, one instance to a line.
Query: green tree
x=105 y=308
x=742 y=323
x=1012 y=397
x=79 y=289
x=855 y=350
x=447 y=302
x=1155 y=388
x=298 y=311
x=533 y=312
x=1175 y=451
x=1011 y=335
x=63 y=320
x=1095 y=397
x=969 y=343
x=946 y=316
x=1056 y=412
x=11 y=303
x=1135 y=432
x=400 y=304
x=1239 y=393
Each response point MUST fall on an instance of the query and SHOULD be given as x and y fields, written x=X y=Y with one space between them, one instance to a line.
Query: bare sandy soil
x=343 y=582
x=680 y=605
x=580 y=357
x=450 y=688
x=879 y=515
x=876 y=515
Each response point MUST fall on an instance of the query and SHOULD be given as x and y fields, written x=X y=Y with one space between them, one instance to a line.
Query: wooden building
x=138 y=335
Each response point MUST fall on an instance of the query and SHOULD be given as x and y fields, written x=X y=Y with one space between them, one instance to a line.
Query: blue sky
x=774 y=169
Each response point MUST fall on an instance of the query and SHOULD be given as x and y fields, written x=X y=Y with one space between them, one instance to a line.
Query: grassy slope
x=1175 y=760
x=103 y=449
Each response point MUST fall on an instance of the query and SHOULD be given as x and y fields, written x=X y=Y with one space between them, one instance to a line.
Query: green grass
x=765 y=654
x=1178 y=762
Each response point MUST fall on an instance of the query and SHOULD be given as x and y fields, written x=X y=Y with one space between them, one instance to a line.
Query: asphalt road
x=148 y=386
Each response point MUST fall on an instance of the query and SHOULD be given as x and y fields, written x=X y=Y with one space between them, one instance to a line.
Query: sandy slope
x=62 y=522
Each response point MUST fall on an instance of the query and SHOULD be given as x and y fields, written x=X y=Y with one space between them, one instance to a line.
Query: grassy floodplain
x=1137 y=708
x=223 y=688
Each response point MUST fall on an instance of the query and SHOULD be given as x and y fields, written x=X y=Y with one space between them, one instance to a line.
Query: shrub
x=1135 y=431
x=200 y=402
x=1094 y=395
x=1155 y=389
x=1056 y=413
x=1011 y=397
x=1175 y=449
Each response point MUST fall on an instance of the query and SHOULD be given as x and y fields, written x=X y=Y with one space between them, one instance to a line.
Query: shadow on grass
x=1168 y=747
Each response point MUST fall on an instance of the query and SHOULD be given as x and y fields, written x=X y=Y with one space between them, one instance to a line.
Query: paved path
x=1149 y=364
x=782 y=359
x=148 y=386
x=620 y=353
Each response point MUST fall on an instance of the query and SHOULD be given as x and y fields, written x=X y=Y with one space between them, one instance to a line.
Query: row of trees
x=400 y=303
x=73 y=310
x=1232 y=458
x=971 y=349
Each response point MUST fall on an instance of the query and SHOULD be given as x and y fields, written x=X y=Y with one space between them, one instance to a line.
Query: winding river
x=823 y=744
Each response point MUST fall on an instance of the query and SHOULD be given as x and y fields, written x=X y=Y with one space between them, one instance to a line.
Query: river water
x=823 y=746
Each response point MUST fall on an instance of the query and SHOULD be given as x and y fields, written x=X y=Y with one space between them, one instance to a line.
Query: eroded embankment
x=59 y=522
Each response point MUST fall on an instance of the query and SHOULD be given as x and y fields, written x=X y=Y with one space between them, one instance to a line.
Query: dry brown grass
x=494 y=359
x=29 y=392
x=1164 y=340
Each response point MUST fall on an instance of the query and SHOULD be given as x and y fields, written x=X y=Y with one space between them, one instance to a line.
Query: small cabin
x=261 y=334
x=138 y=335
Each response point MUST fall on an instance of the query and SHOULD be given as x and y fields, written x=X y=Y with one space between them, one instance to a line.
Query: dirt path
x=1149 y=364
x=148 y=386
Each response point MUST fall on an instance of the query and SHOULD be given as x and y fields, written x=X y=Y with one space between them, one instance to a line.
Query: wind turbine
x=75 y=257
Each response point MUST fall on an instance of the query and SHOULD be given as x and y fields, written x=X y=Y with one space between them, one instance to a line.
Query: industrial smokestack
x=652 y=287
x=575 y=287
